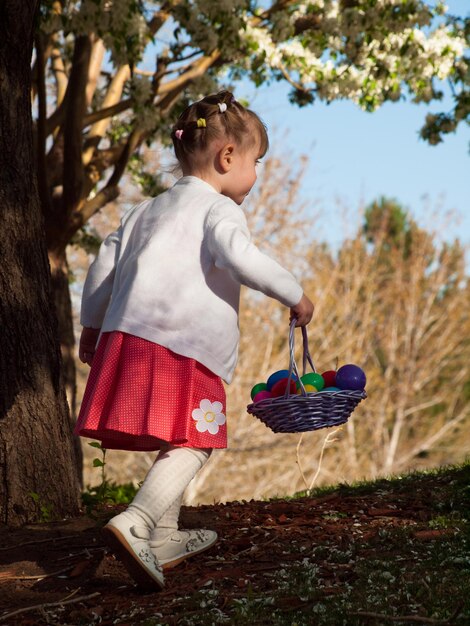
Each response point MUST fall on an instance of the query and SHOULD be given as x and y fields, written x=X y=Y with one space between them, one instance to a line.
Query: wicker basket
x=306 y=411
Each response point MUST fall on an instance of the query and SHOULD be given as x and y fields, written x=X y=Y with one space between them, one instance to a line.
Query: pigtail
x=212 y=117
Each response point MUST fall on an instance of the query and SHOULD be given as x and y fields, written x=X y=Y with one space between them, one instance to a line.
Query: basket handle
x=293 y=369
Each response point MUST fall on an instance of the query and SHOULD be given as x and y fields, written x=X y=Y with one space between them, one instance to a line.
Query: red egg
x=262 y=395
x=330 y=378
x=279 y=388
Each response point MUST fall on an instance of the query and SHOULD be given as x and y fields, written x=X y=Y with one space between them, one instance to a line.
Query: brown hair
x=215 y=116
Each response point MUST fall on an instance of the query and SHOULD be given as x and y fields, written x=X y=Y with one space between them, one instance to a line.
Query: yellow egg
x=308 y=389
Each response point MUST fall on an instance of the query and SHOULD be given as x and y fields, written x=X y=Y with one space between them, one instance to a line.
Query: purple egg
x=351 y=377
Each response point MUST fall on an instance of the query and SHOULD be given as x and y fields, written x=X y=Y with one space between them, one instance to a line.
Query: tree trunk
x=63 y=309
x=37 y=460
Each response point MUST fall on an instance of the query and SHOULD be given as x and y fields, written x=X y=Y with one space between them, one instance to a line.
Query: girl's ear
x=226 y=157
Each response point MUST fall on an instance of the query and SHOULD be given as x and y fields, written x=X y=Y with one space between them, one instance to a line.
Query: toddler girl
x=163 y=296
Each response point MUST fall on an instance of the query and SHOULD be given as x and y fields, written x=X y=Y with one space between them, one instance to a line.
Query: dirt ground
x=62 y=573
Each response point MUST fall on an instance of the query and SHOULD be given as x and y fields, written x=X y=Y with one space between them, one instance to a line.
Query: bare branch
x=111 y=190
x=159 y=18
x=41 y=125
x=113 y=96
x=196 y=69
x=291 y=81
x=110 y=111
x=60 y=75
x=107 y=157
x=47 y=605
x=107 y=194
x=111 y=103
x=96 y=60
x=39 y=65
x=75 y=111
x=55 y=121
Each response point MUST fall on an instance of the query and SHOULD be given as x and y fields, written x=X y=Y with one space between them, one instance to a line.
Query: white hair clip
x=222 y=107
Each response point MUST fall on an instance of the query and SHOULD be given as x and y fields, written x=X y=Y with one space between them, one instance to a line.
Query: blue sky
x=355 y=156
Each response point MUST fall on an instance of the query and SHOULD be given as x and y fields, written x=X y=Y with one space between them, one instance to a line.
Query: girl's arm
x=99 y=282
x=87 y=347
x=231 y=248
x=302 y=312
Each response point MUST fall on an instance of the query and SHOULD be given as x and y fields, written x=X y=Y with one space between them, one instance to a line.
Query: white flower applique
x=208 y=417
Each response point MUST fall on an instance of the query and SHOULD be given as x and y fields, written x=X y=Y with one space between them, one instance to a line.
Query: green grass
x=399 y=482
x=376 y=581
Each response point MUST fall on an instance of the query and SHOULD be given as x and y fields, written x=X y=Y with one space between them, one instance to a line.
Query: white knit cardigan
x=172 y=272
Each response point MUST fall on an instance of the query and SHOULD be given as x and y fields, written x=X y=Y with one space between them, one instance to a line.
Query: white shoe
x=181 y=544
x=131 y=544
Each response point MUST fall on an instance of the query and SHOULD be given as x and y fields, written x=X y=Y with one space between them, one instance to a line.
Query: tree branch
x=72 y=128
x=96 y=60
x=197 y=69
x=291 y=81
x=57 y=118
x=113 y=96
x=107 y=194
x=36 y=70
x=107 y=157
x=159 y=18
x=409 y=618
x=60 y=75
x=110 y=111
x=111 y=190
x=41 y=125
x=101 y=121
x=47 y=605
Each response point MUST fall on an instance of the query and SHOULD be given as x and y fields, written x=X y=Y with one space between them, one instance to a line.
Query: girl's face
x=242 y=176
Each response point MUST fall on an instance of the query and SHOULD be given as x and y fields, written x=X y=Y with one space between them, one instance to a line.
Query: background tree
x=388 y=224
x=406 y=323
x=37 y=471
x=110 y=76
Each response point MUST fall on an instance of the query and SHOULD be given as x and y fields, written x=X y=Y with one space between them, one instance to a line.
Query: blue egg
x=279 y=375
x=331 y=389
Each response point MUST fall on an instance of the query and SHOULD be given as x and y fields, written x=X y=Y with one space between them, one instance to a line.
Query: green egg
x=314 y=379
x=257 y=388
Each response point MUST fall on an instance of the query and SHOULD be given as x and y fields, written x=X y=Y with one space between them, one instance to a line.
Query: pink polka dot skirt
x=140 y=394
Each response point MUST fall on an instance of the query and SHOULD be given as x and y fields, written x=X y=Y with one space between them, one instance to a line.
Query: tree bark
x=63 y=309
x=37 y=460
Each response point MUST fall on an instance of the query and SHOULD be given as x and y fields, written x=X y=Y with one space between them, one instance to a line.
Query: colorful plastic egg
x=308 y=389
x=279 y=387
x=262 y=395
x=257 y=388
x=279 y=375
x=351 y=377
x=331 y=389
x=314 y=379
x=330 y=378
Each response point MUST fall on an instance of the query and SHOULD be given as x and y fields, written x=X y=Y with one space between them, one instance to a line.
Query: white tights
x=158 y=501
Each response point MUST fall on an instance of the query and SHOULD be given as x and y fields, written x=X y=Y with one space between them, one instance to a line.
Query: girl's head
x=218 y=135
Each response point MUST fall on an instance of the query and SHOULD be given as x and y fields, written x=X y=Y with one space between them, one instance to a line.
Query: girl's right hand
x=302 y=312
x=87 y=347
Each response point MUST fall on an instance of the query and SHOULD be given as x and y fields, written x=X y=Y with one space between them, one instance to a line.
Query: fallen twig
x=410 y=618
x=255 y=547
x=86 y=552
x=32 y=543
x=48 y=605
x=37 y=576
